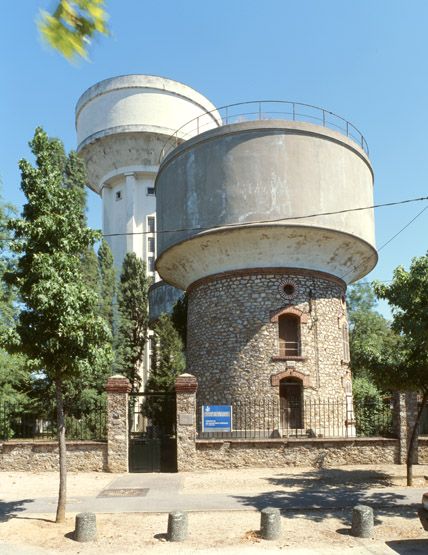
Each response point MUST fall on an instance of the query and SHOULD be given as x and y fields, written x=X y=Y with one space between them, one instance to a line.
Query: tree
x=179 y=318
x=404 y=366
x=369 y=330
x=58 y=328
x=133 y=318
x=71 y=26
x=107 y=283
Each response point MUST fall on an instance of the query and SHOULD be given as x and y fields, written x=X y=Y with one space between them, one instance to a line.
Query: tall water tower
x=265 y=270
x=122 y=126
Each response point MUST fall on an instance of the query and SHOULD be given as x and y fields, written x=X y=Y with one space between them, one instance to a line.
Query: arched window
x=289 y=335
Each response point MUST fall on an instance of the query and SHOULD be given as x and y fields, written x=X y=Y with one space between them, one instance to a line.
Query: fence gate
x=152 y=432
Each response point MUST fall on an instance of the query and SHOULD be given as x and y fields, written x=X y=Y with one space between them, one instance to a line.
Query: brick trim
x=275 y=314
x=186 y=383
x=290 y=373
x=268 y=271
x=118 y=384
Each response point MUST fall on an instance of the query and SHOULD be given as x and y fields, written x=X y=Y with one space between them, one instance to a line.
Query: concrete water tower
x=265 y=271
x=122 y=126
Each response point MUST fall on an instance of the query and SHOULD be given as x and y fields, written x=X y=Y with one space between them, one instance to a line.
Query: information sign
x=216 y=418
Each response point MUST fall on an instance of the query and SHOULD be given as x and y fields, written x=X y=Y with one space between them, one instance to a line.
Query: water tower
x=265 y=268
x=122 y=126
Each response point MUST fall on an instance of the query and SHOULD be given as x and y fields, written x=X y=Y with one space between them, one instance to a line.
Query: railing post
x=186 y=386
x=118 y=388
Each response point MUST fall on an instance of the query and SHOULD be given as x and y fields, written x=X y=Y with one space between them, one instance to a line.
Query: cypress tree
x=133 y=318
x=107 y=283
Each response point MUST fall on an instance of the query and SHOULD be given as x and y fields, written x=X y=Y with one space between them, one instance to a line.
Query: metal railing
x=313 y=418
x=289 y=348
x=18 y=423
x=255 y=110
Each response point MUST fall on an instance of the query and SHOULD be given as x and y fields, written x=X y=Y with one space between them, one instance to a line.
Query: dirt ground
x=237 y=530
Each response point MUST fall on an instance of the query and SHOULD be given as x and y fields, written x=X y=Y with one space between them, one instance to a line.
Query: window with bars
x=289 y=335
x=151 y=244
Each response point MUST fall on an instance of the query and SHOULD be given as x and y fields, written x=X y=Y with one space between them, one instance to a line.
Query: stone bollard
x=270 y=524
x=425 y=501
x=362 y=521
x=86 y=527
x=177 y=526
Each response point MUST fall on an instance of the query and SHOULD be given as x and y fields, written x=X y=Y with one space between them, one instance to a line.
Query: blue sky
x=366 y=60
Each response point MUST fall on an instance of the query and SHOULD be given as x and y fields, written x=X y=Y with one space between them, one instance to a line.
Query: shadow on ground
x=409 y=547
x=319 y=494
x=10 y=509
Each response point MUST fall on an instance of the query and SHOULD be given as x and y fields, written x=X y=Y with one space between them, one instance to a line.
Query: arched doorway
x=291 y=403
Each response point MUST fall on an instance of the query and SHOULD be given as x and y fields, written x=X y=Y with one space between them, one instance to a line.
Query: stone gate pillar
x=405 y=408
x=118 y=387
x=185 y=389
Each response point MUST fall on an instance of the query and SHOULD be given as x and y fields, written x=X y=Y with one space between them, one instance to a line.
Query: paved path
x=153 y=493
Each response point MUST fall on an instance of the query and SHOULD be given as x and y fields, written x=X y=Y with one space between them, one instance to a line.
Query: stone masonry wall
x=83 y=456
x=233 y=344
x=279 y=453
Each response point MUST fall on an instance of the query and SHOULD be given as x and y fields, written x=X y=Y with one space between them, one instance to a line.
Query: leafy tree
x=71 y=26
x=133 y=318
x=107 y=283
x=57 y=329
x=179 y=318
x=167 y=356
x=167 y=363
x=373 y=416
x=404 y=366
x=369 y=330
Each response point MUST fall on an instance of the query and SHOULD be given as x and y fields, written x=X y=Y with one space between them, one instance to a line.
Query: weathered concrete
x=270 y=524
x=261 y=171
x=177 y=526
x=362 y=522
x=86 y=527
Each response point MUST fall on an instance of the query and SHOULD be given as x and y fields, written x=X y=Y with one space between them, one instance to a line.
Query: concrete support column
x=185 y=389
x=405 y=409
x=118 y=387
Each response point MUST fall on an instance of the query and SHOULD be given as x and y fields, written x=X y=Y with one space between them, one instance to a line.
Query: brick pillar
x=185 y=390
x=118 y=387
x=405 y=408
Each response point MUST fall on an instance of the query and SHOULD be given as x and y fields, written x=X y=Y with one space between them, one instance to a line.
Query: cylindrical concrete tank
x=249 y=195
x=256 y=222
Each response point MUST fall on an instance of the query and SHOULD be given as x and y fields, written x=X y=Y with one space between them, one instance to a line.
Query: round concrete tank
x=256 y=222
x=249 y=195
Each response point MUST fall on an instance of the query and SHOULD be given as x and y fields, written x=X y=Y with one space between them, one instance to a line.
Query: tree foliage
x=71 y=26
x=179 y=318
x=58 y=328
x=133 y=319
x=107 y=283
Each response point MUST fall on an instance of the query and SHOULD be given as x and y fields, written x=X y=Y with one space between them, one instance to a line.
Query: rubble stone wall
x=30 y=456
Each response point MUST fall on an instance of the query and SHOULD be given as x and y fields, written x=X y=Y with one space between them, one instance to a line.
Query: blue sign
x=216 y=418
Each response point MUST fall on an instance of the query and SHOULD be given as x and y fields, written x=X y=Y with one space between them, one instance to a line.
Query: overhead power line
x=286 y=219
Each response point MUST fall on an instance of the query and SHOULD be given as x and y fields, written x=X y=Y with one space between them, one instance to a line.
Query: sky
x=366 y=60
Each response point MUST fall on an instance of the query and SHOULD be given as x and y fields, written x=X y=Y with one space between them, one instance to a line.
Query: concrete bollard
x=362 y=521
x=86 y=527
x=177 y=526
x=425 y=501
x=270 y=524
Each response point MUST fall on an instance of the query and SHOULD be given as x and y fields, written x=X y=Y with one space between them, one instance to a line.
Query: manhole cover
x=124 y=492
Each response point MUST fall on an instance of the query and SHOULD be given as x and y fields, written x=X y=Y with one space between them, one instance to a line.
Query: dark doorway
x=291 y=398
x=152 y=432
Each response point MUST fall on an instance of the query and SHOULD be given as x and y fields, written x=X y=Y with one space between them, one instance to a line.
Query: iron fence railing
x=264 y=110
x=327 y=418
x=19 y=423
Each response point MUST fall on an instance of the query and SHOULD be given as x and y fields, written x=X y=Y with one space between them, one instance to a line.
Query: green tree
x=368 y=330
x=167 y=356
x=133 y=319
x=404 y=366
x=71 y=26
x=179 y=318
x=58 y=328
x=107 y=283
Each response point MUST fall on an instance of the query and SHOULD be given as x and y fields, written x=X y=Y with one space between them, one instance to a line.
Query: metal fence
x=329 y=418
x=254 y=110
x=19 y=423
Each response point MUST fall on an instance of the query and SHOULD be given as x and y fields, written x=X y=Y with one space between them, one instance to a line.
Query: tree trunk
x=60 y=511
x=412 y=442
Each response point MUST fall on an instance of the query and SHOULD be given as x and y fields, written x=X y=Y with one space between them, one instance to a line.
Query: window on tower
x=151 y=263
x=289 y=335
x=150 y=191
x=151 y=224
x=151 y=244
